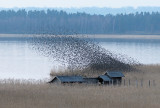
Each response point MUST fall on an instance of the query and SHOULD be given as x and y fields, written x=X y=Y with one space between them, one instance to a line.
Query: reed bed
x=77 y=96
x=43 y=95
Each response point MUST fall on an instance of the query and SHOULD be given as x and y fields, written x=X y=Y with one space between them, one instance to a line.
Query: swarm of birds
x=79 y=53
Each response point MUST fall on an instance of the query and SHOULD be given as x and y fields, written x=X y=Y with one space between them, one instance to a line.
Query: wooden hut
x=91 y=80
x=116 y=77
x=67 y=79
x=103 y=79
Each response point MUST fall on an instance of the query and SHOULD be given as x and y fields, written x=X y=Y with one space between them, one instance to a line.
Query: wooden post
x=141 y=82
x=129 y=82
x=149 y=83
x=136 y=83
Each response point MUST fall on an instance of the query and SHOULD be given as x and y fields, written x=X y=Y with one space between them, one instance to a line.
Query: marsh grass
x=87 y=72
x=43 y=95
x=145 y=73
x=77 y=96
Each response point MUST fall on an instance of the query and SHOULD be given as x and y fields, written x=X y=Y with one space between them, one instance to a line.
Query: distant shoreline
x=91 y=36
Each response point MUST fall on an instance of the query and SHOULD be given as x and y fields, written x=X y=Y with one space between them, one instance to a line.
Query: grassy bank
x=27 y=95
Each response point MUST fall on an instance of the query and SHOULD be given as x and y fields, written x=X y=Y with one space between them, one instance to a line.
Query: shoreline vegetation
x=114 y=36
x=139 y=72
x=40 y=95
x=61 y=22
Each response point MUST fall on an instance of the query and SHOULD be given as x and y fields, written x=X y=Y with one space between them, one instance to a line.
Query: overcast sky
x=78 y=3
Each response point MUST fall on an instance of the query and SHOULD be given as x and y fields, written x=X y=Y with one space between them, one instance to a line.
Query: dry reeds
x=87 y=72
x=42 y=95
x=77 y=96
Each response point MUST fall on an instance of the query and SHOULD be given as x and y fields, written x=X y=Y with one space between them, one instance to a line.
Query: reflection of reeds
x=26 y=95
x=80 y=53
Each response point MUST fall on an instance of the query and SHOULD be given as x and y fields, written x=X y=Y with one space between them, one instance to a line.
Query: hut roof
x=105 y=78
x=91 y=80
x=114 y=74
x=70 y=78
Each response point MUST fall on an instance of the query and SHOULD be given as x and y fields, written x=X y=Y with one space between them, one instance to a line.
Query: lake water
x=19 y=61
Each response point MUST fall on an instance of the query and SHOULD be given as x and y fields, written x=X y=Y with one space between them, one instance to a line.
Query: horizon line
x=84 y=7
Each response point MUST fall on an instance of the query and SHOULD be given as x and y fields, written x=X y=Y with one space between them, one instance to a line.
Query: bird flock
x=77 y=52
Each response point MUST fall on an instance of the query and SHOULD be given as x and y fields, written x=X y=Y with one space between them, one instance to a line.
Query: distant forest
x=59 y=22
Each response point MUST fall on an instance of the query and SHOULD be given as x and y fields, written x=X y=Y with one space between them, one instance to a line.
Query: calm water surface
x=19 y=61
x=142 y=50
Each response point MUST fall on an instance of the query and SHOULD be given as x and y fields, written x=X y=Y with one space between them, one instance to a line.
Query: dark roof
x=114 y=74
x=90 y=78
x=70 y=78
x=105 y=78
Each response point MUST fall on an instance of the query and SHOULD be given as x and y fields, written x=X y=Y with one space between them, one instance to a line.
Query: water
x=19 y=61
x=142 y=50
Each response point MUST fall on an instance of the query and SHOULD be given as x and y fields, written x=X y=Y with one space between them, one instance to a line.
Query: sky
x=78 y=3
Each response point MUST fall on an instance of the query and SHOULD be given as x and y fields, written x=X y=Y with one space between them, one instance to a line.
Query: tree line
x=59 y=22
